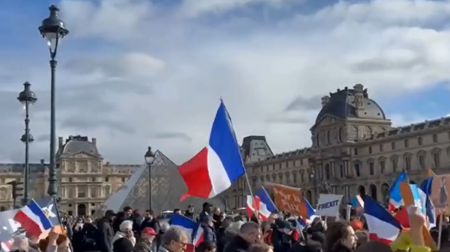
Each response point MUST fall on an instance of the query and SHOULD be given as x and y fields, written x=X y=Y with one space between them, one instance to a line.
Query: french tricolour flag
x=395 y=197
x=216 y=166
x=193 y=230
x=381 y=224
x=425 y=194
x=261 y=203
x=33 y=219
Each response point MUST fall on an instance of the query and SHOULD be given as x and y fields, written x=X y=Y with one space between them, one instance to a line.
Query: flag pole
x=58 y=216
x=440 y=230
x=248 y=184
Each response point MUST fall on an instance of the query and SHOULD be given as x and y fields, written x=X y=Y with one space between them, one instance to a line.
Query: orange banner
x=287 y=198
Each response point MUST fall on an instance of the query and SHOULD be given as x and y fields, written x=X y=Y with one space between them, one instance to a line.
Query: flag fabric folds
x=402 y=217
x=381 y=224
x=193 y=230
x=33 y=219
x=306 y=209
x=430 y=211
x=260 y=203
x=395 y=197
x=215 y=167
x=266 y=205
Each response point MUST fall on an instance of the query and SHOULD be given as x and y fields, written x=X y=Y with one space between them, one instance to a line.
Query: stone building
x=354 y=150
x=85 y=180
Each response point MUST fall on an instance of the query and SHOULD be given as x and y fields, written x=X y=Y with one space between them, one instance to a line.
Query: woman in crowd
x=125 y=231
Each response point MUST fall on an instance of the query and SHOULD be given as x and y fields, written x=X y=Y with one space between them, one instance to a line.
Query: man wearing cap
x=148 y=234
x=208 y=229
x=206 y=211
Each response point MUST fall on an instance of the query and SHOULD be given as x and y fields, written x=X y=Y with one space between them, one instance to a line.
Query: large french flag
x=216 y=166
x=33 y=219
x=193 y=230
x=381 y=224
x=261 y=203
x=395 y=197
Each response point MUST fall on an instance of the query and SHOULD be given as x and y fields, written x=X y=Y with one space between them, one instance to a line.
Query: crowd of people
x=130 y=231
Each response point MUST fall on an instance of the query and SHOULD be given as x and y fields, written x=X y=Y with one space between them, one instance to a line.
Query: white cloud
x=194 y=8
x=158 y=73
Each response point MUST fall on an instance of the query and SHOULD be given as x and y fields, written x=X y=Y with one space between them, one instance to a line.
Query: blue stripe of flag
x=37 y=210
x=264 y=197
x=309 y=209
x=223 y=141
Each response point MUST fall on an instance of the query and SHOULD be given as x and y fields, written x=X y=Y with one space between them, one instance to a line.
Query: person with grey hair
x=174 y=239
x=249 y=233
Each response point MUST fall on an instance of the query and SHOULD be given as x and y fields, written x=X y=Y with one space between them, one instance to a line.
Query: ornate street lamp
x=53 y=30
x=149 y=159
x=27 y=98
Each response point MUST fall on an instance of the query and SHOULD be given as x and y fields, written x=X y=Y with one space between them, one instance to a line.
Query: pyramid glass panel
x=164 y=190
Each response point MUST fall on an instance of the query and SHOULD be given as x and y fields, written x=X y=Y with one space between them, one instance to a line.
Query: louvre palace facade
x=85 y=180
x=354 y=150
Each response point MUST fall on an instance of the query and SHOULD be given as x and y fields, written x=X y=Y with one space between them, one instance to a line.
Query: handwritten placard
x=287 y=198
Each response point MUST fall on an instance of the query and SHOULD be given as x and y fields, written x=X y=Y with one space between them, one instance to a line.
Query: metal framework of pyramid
x=167 y=187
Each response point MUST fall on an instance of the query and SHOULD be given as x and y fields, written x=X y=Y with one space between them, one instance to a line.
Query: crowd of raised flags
x=212 y=171
x=216 y=166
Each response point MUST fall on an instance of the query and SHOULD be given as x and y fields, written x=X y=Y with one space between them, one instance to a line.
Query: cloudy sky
x=134 y=73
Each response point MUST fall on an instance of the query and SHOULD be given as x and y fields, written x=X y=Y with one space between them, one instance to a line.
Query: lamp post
x=149 y=159
x=312 y=175
x=27 y=98
x=53 y=30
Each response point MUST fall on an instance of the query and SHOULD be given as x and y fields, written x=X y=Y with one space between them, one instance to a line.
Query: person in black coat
x=282 y=238
x=150 y=221
x=340 y=237
x=206 y=211
x=120 y=217
x=221 y=235
x=190 y=212
x=105 y=232
x=248 y=234
x=208 y=229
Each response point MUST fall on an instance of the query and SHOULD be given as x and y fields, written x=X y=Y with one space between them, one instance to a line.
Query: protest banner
x=328 y=205
x=287 y=198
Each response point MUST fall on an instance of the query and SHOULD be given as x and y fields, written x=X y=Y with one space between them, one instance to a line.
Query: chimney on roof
x=94 y=141
x=325 y=100
x=60 y=141
x=358 y=90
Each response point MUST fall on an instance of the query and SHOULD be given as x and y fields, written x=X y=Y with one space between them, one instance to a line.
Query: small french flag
x=193 y=230
x=261 y=203
x=216 y=166
x=395 y=197
x=381 y=224
x=33 y=219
